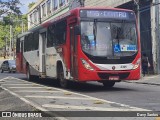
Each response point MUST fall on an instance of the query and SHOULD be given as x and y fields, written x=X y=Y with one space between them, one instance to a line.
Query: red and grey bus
x=84 y=44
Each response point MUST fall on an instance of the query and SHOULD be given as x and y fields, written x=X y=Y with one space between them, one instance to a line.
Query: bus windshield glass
x=104 y=39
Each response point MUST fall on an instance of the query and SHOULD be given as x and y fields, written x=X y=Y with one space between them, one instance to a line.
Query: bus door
x=41 y=54
x=73 y=48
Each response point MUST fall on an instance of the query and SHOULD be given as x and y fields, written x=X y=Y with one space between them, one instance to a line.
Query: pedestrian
x=145 y=64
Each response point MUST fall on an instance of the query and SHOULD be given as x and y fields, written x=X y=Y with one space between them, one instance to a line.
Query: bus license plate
x=114 y=78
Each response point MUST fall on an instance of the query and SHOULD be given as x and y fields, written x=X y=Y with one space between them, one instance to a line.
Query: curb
x=149 y=80
x=147 y=83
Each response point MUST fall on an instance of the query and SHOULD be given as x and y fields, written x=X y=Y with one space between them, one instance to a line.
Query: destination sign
x=111 y=14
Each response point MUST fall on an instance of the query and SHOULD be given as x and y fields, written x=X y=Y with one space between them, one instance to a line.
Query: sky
x=24 y=6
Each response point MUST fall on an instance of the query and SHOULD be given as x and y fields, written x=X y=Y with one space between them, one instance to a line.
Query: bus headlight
x=86 y=64
x=137 y=64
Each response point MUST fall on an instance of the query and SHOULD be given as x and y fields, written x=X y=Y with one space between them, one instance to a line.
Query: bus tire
x=63 y=82
x=2 y=71
x=108 y=84
x=29 y=76
x=9 y=70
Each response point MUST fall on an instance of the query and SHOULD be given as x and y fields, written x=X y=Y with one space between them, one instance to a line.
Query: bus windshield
x=104 y=39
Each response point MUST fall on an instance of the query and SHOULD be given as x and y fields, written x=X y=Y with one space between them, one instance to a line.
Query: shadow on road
x=79 y=87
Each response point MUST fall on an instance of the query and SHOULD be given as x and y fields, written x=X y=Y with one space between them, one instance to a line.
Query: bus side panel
x=19 y=62
x=51 y=61
x=33 y=60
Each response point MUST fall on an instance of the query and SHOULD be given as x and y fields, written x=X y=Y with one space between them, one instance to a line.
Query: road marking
x=5 y=79
x=28 y=91
x=34 y=104
x=58 y=97
x=11 y=79
x=19 y=84
x=87 y=108
x=26 y=87
x=94 y=98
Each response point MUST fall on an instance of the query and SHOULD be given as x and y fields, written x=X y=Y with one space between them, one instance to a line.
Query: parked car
x=8 y=65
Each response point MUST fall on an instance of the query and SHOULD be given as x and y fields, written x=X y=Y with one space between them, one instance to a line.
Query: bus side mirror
x=77 y=30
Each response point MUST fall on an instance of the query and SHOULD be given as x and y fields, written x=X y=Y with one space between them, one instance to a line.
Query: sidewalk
x=148 y=79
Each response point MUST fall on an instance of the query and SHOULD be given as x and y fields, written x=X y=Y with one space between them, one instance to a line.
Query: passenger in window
x=145 y=64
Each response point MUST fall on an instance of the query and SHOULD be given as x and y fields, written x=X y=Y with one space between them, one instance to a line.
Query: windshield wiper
x=120 y=33
x=95 y=31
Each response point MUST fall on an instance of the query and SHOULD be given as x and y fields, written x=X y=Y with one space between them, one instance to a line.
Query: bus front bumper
x=88 y=75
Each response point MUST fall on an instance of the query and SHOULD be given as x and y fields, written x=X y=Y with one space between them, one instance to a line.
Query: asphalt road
x=132 y=94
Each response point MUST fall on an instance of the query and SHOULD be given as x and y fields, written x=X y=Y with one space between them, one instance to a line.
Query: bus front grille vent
x=105 y=76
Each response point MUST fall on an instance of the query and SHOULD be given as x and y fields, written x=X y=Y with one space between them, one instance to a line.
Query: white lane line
x=58 y=97
x=88 y=108
x=10 y=79
x=106 y=101
x=4 y=79
x=33 y=104
x=25 y=87
x=30 y=91
x=19 y=84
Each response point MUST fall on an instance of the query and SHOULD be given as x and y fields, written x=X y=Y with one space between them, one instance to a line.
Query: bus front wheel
x=29 y=76
x=108 y=84
x=62 y=80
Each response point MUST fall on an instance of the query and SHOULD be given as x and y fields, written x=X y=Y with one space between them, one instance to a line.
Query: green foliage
x=30 y=5
x=7 y=20
x=16 y=28
x=9 y=7
x=4 y=34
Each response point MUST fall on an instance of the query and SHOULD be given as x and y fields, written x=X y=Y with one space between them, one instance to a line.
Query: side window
x=55 y=4
x=60 y=32
x=61 y=2
x=56 y=33
x=35 y=41
x=25 y=43
x=30 y=41
x=51 y=40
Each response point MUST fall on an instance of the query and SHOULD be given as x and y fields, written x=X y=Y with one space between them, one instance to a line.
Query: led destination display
x=110 y=14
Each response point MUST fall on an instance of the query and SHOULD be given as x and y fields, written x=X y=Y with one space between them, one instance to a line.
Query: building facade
x=147 y=15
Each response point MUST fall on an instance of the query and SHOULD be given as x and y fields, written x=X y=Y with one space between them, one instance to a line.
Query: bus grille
x=106 y=75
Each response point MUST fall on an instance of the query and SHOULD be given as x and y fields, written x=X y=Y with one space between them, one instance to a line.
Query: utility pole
x=22 y=27
x=10 y=45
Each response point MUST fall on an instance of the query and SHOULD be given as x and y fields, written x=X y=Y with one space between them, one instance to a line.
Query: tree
x=30 y=5
x=9 y=7
x=16 y=28
x=4 y=34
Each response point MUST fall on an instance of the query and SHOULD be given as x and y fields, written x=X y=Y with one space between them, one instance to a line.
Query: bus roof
x=98 y=8
x=23 y=34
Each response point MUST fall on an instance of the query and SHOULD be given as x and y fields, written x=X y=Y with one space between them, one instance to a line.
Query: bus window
x=60 y=32
x=51 y=40
x=35 y=41
x=56 y=34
